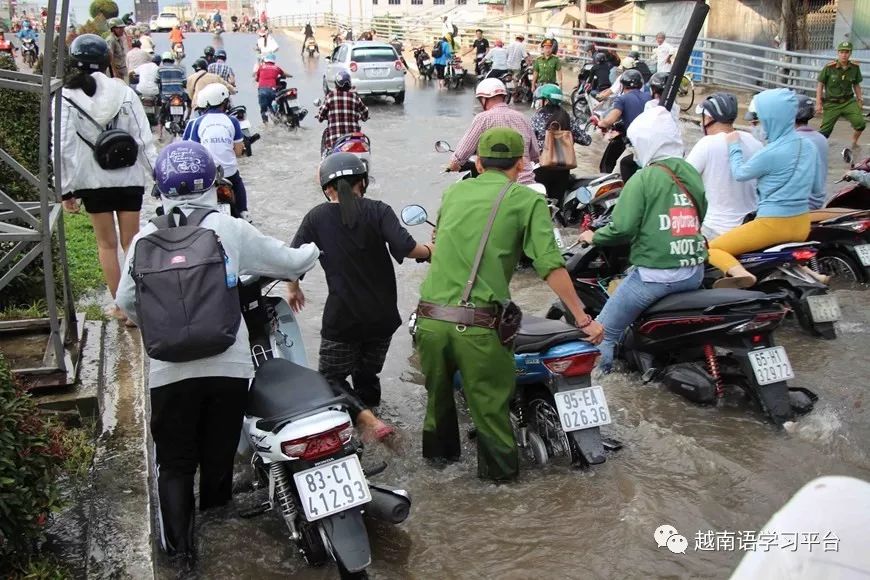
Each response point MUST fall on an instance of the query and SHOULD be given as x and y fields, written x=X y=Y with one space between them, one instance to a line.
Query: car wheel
x=399 y=97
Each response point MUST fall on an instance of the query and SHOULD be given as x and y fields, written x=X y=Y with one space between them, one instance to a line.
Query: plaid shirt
x=343 y=111
x=500 y=116
x=221 y=69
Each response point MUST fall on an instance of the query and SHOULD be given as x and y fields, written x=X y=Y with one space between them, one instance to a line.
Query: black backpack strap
x=166 y=221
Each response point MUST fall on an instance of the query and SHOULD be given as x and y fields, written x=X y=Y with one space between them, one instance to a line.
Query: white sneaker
x=245 y=215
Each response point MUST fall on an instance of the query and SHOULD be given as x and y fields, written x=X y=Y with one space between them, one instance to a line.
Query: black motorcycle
x=175 y=114
x=844 y=238
x=284 y=107
x=424 y=63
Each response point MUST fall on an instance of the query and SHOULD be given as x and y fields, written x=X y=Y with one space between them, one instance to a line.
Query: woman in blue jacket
x=786 y=170
x=441 y=61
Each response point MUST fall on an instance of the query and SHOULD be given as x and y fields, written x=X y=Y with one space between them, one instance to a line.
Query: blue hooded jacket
x=786 y=167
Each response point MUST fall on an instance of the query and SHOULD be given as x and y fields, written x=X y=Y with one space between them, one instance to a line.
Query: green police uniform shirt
x=546 y=68
x=839 y=81
x=522 y=224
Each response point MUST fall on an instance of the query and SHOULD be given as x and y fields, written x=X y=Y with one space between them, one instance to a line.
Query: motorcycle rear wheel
x=544 y=422
x=839 y=266
x=311 y=545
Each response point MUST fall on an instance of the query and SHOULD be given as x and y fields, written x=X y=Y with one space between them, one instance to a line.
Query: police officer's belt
x=465 y=315
x=838 y=100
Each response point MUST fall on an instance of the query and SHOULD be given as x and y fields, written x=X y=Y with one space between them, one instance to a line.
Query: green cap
x=501 y=143
x=115 y=23
x=550 y=92
x=845 y=45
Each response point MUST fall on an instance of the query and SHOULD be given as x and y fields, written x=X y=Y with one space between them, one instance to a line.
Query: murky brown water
x=693 y=467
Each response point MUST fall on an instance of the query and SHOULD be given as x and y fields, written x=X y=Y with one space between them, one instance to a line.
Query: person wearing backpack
x=199 y=354
x=443 y=54
x=91 y=102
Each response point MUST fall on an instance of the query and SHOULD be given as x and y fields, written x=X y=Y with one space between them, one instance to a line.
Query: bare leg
x=128 y=227
x=107 y=244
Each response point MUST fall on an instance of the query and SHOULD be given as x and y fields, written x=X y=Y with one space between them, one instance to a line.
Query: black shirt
x=601 y=76
x=481 y=46
x=359 y=274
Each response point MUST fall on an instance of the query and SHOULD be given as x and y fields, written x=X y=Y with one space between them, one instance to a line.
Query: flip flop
x=734 y=282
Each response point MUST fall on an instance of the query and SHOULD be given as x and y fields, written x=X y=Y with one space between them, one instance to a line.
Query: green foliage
x=82 y=254
x=95 y=26
x=106 y=8
x=31 y=455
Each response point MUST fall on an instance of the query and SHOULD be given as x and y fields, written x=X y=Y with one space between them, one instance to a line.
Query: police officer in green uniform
x=841 y=81
x=522 y=225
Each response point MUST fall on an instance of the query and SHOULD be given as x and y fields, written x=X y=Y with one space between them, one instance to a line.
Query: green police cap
x=501 y=143
x=845 y=45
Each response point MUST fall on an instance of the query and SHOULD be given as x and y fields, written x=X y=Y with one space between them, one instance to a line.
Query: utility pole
x=583 y=22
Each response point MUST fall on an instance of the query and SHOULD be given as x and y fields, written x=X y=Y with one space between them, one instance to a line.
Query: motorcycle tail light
x=571 y=366
x=399 y=65
x=859 y=226
x=353 y=67
x=607 y=188
x=292 y=94
x=804 y=255
x=759 y=322
x=354 y=147
x=314 y=447
x=225 y=194
x=175 y=100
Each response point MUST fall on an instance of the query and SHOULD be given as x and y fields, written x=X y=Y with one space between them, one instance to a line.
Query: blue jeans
x=265 y=96
x=631 y=298
x=239 y=191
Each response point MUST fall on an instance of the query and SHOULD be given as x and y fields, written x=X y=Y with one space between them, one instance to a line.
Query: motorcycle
x=28 y=52
x=178 y=114
x=240 y=112
x=844 y=238
x=507 y=78
x=284 y=108
x=178 y=51
x=582 y=101
x=523 y=89
x=357 y=143
x=424 y=63
x=311 y=47
x=854 y=195
x=702 y=344
x=305 y=452
x=454 y=74
x=556 y=411
x=575 y=206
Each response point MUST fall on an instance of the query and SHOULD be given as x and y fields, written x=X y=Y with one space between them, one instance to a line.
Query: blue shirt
x=28 y=33
x=818 y=194
x=631 y=104
x=217 y=132
x=172 y=79
x=446 y=53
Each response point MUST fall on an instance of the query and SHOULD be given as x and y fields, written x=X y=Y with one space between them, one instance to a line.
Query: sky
x=80 y=7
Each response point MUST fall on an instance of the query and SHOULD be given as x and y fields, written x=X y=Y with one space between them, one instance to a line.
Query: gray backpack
x=187 y=303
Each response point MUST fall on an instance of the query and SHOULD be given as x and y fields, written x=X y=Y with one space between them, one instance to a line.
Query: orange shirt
x=176 y=36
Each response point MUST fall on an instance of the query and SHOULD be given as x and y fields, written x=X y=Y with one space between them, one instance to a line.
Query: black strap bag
x=114 y=148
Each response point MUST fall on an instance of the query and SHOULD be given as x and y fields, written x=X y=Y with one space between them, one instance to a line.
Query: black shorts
x=439 y=70
x=111 y=199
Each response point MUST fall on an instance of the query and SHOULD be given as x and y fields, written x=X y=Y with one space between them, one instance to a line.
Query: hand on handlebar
x=586 y=238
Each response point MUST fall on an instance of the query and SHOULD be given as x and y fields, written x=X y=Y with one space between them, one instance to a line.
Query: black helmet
x=805 y=110
x=343 y=80
x=89 y=53
x=200 y=64
x=156 y=59
x=658 y=81
x=631 y=79
x=136 y=43
x=340 y=165
x=599 y=57
x=721 y=107
x=634 y=54
x=209 y=51
x=220 y=53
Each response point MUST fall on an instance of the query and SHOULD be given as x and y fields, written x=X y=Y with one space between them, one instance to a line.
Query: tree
x=107 y=8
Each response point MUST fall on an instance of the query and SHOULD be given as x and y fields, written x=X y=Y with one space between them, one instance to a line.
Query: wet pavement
x=695 y=468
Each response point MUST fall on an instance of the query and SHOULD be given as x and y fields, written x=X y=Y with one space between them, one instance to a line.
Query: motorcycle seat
x=283 y=388
x=538 y=334
x=585 y=180
x=698 y=299
x=791 y=245
x=820 y=215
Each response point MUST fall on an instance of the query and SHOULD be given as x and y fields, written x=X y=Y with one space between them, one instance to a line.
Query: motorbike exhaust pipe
x=388 y=504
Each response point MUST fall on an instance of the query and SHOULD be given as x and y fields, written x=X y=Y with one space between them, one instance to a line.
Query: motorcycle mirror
x=317 y=102
x=414 y=215
x=847 y=155
x=443 y=147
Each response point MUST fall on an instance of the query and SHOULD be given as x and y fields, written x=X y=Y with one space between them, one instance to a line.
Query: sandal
x=735 y=282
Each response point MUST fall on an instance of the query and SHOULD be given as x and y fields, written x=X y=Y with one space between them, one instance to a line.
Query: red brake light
x=572 y=366
x=316 y=446
x=353 y=67
x=803 y=255
x=399 y=65
x=758 y=338
x=292 y=93
x=859 y=226
x=175 y=100
x=355 y=147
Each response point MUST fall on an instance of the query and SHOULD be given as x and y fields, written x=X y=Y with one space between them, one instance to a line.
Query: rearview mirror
x=443 y=147
x=327 y=57
x=414 y=215
x=317 y=102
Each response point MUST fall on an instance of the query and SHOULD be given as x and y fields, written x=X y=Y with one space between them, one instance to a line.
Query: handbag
x=558 y=150
x=508 y=314
x=114 y=148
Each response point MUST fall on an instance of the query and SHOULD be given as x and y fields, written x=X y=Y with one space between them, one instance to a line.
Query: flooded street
x=695 y=468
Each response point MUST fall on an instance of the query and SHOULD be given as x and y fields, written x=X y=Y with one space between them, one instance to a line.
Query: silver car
x=375 y=69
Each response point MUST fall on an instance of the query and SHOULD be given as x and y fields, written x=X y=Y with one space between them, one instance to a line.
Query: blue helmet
x=342 y=80
x=184 y=169
x=220 y=53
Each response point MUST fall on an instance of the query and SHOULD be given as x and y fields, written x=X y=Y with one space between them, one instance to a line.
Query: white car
x=165 y=22
x=152 y=23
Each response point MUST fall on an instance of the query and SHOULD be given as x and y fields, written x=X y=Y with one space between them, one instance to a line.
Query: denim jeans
x=265 y=97
x=631 y=298
x=239 y=191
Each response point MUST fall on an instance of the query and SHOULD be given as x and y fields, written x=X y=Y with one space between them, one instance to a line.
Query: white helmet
x=627 y=63
x=490 y=88
x=212 y=95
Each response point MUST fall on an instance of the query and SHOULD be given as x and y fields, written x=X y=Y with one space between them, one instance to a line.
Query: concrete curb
x=121 y=524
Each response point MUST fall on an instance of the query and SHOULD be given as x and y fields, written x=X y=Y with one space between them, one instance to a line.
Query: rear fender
x=587 y=442
x=773 y=398
x=348 y=539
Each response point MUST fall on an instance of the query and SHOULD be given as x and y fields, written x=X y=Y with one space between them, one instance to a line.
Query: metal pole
x=583 y=21
x=681 y=60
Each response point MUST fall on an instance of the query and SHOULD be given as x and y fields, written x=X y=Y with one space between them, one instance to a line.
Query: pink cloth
x=500 y=116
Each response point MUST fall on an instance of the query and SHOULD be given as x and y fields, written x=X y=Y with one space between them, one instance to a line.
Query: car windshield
x=374 y=54
x=168 y=15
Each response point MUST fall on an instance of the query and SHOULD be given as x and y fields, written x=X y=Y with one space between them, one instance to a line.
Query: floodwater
x=696 y=468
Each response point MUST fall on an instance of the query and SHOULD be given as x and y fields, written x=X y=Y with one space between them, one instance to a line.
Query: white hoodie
x=654 y=135
x=79 y=168
x=248 y=252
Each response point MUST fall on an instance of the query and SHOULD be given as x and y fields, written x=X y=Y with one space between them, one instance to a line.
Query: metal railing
x=723 y=63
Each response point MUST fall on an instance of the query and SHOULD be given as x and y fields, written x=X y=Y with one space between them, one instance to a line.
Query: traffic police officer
x=522 y=225
x=841 y=81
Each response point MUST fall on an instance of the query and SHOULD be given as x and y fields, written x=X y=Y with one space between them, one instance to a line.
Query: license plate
x=863 y=252
x=332 y=488
x=582 y=408
x=426 y=62
x=224 y=208
x=377 y=73
x=824 y=308
x=176 y=110
x=245 y=124
x=770 y=365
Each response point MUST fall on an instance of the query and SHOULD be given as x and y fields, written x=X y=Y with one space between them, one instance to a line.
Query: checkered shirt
x=343 y=110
